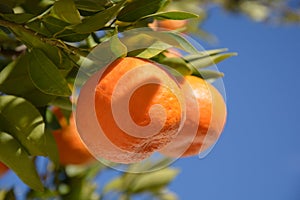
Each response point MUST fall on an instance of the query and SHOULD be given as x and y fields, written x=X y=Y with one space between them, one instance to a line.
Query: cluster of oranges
x=170 y=133
x=173 y=139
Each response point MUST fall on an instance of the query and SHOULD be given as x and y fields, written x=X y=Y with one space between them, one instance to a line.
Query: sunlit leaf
x=67 y=11
x=175 y=15
x=16 y=158
x=23 y=121
x=97 y=21
x=153 y=180
x=201 y=61
x=15 y=73
x=117 y=47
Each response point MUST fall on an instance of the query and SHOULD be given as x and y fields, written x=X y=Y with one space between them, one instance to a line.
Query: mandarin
x=70 y=146
x=211 y=112
x=144 y=86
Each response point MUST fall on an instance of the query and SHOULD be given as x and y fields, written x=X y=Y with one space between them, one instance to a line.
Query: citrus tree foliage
x=42 y=44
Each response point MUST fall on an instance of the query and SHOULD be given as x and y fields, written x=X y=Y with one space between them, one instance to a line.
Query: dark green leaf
x=138 y=9
x=90 y=5
x=67 y=11
x=174 y=15
x=46 y=76
x=15 y=73
x=97 y=21
x=153 y=180
x=16 y=158
x=20 y=18
x=5 y=8
x=62 y=102
x=57 y=27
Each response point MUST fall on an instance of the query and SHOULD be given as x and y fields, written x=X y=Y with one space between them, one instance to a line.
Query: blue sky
x=258 y=154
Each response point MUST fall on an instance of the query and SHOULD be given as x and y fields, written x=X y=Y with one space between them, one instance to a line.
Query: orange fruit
x=70 y=146
x=168 y=24
x=142 y=97
x=208 y=115
x=3 y=169
x=137 y=106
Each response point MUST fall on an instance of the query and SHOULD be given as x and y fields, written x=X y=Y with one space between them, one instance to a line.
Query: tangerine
x=70 y=146
x=209 y=125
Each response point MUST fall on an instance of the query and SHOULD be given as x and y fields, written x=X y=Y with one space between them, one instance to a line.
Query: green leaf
x=209 y=75
x=57 y=27
x=46 y=76
x=62 y=102
x=153 y=50
x=24 y=122
x=19 y=18
x=153 y=180
x=201 y=61
x=178 y=64
x=16 y=72
x=138 y=9
x=90 y=5
x=117 y=47
x=174 y=15
x=183 y=42
x=30 y=40
x=16 y=158
x=67 y=11
x=116 y=184
x=97 y=21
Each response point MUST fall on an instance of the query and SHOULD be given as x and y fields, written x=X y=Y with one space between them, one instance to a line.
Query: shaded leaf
x=137 y=9
x=16 y=158
x=19 y=18
x=90 y=5
x=184 y=43
x=46 y=76
x=67 y=11
x=97 y=21
x=16 y=72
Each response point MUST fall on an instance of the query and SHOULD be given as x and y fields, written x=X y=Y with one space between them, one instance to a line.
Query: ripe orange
x=3 y=169
x=209 y=124
x=168 y=24
x=70 y=146
x=144 y=86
